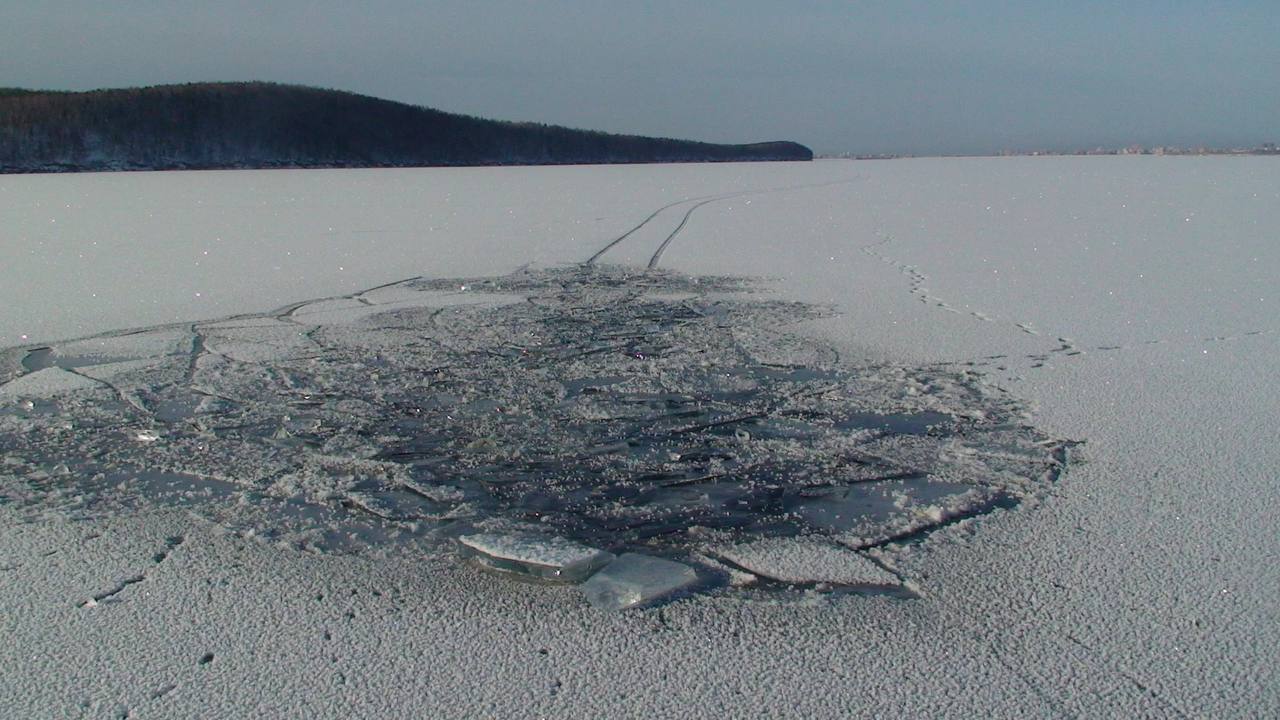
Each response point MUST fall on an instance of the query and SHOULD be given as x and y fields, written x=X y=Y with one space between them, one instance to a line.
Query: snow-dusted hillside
x=270 y=125
x=240 y=508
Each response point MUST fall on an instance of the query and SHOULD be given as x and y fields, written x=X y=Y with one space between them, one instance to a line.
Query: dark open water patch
x=642 y=414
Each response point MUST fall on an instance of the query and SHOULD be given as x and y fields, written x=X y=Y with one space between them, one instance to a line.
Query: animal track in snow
x=159 y=557
x=1066 y=346
x=916 y=285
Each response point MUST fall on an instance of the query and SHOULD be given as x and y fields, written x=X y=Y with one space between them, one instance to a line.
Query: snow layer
x=101 y=251
x=1129 y=299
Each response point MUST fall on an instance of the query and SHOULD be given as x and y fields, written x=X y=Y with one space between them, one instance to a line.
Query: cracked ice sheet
x=1142 y=582
x=46 y=383
x=347 y=311
x=120 y=348
x=618 y=415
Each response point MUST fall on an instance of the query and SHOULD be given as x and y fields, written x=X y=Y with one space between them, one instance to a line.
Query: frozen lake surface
x=824 y=408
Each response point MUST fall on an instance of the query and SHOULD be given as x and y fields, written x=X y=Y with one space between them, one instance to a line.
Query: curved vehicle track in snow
x=618 y=240
x=657 y=254
x=699 y=201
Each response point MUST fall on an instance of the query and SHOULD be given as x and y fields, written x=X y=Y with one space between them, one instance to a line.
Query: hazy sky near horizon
x=910 y=76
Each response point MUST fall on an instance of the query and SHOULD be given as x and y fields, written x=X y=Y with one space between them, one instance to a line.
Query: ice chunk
x=397 y=504
x=635 y=579
x=437 y=493
x=802 y=560
x=542 y=557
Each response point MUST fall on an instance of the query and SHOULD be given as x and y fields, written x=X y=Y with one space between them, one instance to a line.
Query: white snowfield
x=1131 y=302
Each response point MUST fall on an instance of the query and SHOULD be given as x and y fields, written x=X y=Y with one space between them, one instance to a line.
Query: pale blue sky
x=911 y=76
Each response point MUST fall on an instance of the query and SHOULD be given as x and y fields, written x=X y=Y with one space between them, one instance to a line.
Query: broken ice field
x=641 y=435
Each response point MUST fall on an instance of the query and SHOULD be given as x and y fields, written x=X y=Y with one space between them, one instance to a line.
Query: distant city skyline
x=910 y=77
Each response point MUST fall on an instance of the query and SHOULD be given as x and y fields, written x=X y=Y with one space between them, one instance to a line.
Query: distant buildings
x=1269 y=148
x=1263 y=149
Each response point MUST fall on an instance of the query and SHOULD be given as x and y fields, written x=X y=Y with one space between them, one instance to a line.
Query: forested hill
x=264 y=125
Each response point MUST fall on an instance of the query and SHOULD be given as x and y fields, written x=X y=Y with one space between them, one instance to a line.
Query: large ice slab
x=542 y=557
x=635 y=579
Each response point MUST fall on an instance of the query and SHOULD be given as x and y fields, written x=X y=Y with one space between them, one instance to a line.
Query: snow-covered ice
x=806 y=561
x=1125 y=303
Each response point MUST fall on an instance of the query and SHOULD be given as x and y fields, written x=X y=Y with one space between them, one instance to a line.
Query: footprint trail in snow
x=1065 y=347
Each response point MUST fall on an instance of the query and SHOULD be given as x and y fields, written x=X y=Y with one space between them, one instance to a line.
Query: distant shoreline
x=255 y=125
x=234 y=168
